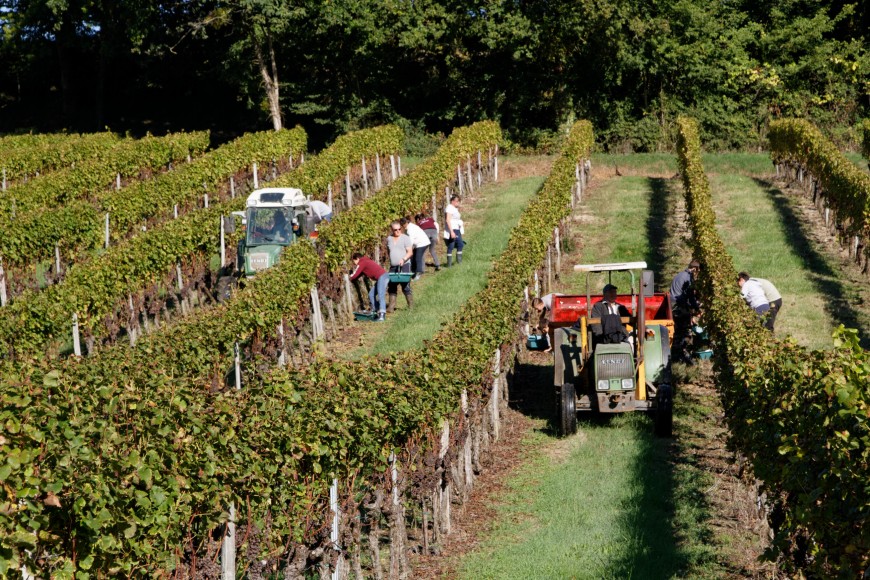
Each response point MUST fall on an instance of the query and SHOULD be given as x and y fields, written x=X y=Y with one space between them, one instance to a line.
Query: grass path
x=489 y=216
x=612 y=501
x=771 y=235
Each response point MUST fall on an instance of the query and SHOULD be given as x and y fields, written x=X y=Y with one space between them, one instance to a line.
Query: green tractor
x=273 y=219
x=634 y=374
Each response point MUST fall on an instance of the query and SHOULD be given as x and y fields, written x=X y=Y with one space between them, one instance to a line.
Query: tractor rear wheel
x=664 y=413
x=567 y=410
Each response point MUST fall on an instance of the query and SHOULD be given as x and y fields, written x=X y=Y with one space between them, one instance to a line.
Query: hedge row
x=800 y=416
x=79 y=226
x=26 y=157
x=95 y=289
x=129 y=158
x=347 y=151
x=128 y=444
x=846 y=187
x=351 y=230
x=141 y=459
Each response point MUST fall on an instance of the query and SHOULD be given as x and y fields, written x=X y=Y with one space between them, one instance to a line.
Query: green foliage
x=97 y=288
x=355 y=229
x=78 y=226
x=846 y=187
x=865 y=140
x=347 y=151
x=140 y=453
x=802 y=417
x=129 y=158
x=28 y=156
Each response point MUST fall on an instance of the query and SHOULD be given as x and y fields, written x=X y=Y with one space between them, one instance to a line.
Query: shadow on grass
x=667 y=517
x=823 y=277
x=532 y=392
x=656 y=231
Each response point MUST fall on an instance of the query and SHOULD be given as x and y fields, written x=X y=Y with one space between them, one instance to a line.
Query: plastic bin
x=704 y=354
x=365 y=316
x=537 y=342
x=400 y=277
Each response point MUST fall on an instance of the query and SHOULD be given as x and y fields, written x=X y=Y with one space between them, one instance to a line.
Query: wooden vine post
x=3 y=297
x=348 y=190
x=256 y=177
x=365 y=177
x=77 y=343
x=228 y=546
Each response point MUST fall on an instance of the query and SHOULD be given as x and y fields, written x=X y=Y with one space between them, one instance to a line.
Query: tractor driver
x=610 y=330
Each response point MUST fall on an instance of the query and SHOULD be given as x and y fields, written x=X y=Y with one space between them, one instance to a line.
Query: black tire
x=225 y=287
x=567 y=412
x=664 y=414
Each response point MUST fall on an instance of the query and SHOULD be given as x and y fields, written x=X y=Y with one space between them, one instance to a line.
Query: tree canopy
x=630 y=66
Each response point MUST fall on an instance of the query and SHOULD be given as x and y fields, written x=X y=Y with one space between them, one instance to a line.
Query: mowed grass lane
x=611 y=501
x=489 y=215
x=768 y=236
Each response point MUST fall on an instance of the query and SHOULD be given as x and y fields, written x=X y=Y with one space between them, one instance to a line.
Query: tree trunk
x=269 y=72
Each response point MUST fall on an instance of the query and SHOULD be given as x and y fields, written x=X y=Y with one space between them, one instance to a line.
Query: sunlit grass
x=765 y=238
x=599 y=504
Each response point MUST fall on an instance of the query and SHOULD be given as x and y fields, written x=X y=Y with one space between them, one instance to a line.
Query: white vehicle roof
x=610 y=267
x=277 y=197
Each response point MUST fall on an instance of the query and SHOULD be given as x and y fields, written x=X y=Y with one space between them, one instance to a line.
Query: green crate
x=365 y=316
x=400 y=277
x=704 y=354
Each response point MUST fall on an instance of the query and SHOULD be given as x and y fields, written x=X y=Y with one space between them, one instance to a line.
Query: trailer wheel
x=567 y=410
x=664 y=414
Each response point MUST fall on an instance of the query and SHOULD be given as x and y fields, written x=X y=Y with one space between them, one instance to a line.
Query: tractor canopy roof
x=615 y=267
x=277 y=197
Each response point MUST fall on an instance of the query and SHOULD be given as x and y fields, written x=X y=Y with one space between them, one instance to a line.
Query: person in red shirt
x=365 y=266
x=430 y=228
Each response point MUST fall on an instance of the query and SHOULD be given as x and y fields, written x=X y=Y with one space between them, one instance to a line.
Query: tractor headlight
x=603 y=384
x=628 y=384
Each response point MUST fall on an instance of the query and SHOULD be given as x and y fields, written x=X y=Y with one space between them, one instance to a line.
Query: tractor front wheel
x=567 y=410
x=664 y=414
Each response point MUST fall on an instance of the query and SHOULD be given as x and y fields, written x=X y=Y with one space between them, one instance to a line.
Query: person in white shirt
x=774 y=298
x=420 y=241
x=453 y=230
x=753 y=294
x=320 y=210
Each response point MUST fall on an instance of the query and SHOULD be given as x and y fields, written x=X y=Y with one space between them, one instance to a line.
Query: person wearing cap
x=685 y=305
x=608 y=306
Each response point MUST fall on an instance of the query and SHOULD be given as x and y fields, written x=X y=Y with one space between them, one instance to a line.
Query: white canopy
x=277 y=197
x=617 y=267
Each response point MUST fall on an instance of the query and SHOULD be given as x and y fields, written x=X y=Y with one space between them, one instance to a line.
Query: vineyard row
x=802 y=417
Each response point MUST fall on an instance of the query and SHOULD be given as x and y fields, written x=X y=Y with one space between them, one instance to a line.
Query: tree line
x=630 y=66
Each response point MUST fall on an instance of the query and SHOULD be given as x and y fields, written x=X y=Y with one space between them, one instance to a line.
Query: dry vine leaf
x=51 y=500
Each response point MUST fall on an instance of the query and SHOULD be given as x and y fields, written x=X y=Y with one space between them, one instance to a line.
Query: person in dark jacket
x=685 y=306
x=365 y=266
x=430 y=228
x=608 y=307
